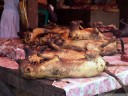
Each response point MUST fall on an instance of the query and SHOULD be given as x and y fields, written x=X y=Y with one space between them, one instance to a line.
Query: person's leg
x=46 y=13
x=9 y=25
x=41 y=17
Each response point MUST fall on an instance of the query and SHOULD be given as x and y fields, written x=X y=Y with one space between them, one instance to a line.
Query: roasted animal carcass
x=84 y=33
x=36 y=56
x=72 y=32
x=65 y=53
x=105 y=28
x=79 y=40
x=104 y=47
x=32 y=36
x=93 y=64
x=58 y=63
x=92 y=41
x=62 y=30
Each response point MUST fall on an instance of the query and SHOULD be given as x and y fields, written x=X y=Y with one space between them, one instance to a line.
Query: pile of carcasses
x=66 y=51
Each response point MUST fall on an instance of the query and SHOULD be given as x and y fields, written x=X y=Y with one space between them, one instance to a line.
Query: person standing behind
x=48 y=10
x=9 y=24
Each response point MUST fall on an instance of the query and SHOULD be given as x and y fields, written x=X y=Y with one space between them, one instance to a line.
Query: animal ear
x=72 y=22
x=28 y=52
x=19 y=61
x=80 y=22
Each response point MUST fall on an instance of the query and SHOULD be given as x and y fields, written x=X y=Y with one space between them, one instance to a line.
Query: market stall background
x=77 y=86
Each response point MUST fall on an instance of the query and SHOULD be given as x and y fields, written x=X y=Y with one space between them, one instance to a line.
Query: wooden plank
x=37 y=87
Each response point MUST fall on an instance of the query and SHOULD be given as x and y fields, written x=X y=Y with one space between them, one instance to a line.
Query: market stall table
x=69 y=86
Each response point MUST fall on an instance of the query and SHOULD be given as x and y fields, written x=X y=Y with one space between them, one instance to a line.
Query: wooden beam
x=32 y=11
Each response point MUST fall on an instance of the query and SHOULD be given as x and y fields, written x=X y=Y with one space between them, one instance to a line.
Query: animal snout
x=28 y=70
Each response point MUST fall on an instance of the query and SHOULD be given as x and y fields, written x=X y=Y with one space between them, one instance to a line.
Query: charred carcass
x=61 y=30
x=104 y=47
x=37 y=56
x=84 y=33
x=92 y=65
x=61 y=67
x=32 y=36
x=41 y=34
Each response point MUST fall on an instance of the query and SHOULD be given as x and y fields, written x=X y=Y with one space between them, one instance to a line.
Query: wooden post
x=32 y=11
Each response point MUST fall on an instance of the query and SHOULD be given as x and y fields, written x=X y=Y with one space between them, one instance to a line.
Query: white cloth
x=51 y=7
x=9 y=24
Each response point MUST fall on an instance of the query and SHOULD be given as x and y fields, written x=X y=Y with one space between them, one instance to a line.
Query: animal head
x=30 y=71
x=75 y=25
x=32 y=35
x=29 y=66
x=27 y=70
x=32 y=56
x=27 y=36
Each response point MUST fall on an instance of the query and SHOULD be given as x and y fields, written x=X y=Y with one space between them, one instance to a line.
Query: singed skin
x=32 y=36
x=65 y=53
x=62 y=53
x=84 y=33
x=82 y=45
x=93 y=39
x=63 y=31
x=90 y=66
